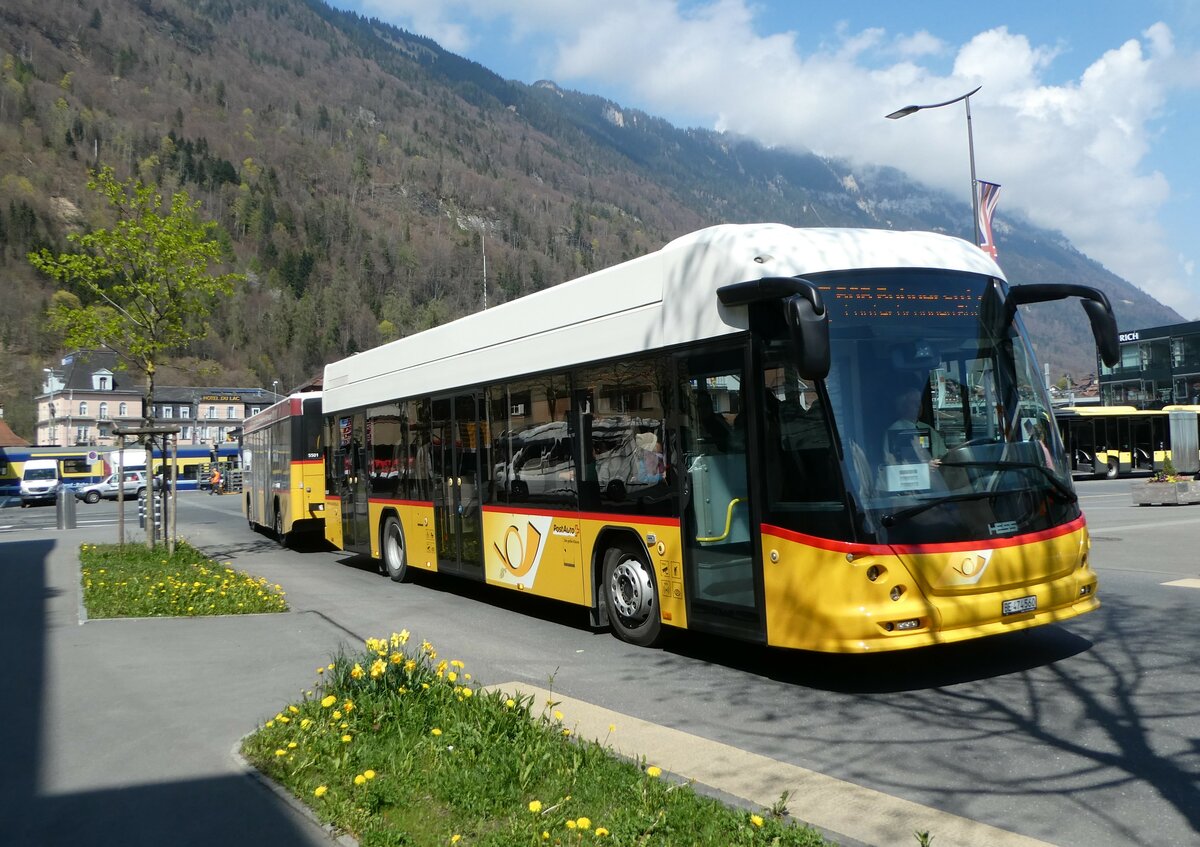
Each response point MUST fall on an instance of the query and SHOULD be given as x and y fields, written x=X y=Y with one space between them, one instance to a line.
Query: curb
x=253 y=774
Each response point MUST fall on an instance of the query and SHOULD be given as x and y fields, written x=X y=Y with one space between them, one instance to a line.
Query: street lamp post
x=966 y=98
x=275 y=389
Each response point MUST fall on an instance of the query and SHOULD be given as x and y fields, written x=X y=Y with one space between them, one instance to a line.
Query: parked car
x=135 y=484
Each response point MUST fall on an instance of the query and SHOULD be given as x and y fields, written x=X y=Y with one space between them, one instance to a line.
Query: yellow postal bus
x=283 y=479
x=711 y=438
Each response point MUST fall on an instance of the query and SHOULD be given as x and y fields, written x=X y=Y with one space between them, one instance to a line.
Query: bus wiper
x=904 y=514
x=1059 y=486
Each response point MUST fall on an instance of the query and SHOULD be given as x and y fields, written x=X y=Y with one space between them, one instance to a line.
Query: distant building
x=1159 y=366
x=8 y=438
x=85 y=399
x=208 y=415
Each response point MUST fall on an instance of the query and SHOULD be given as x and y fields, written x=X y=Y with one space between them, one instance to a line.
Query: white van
x=40 y=481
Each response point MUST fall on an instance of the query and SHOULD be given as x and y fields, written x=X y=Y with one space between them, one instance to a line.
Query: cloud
x=1071 y=155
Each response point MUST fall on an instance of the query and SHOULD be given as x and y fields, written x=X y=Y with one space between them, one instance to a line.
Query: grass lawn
x=131 y=581
x=399 y=747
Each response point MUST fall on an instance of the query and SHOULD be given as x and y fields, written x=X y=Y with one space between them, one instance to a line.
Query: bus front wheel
x=631 y=598
x=391 y=543
x=1113 y=469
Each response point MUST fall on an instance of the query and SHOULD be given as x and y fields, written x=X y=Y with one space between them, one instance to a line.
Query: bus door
x=724 y=584
x=459 y=438
x=353 y=481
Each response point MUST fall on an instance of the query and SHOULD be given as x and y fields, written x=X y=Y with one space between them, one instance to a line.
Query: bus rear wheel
x=391 y=544
x=631 y=597
x=277 y=528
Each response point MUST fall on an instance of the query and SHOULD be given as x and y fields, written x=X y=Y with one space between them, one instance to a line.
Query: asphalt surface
x=121 y=732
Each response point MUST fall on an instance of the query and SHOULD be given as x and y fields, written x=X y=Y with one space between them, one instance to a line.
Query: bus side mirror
x=1104 y=330
x=809 y=334
x=1095 y=304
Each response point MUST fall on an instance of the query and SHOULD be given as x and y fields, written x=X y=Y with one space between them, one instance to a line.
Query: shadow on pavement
x=224 y=809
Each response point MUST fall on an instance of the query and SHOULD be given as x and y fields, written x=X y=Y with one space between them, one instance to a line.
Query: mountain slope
x=362 y=173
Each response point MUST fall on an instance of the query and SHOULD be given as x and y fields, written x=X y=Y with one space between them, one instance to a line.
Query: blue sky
x=1089 y=115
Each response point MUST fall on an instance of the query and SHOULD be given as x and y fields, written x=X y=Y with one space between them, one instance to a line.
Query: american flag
x=989 y=195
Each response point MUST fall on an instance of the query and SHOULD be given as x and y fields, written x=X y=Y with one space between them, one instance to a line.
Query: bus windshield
x=945 y=427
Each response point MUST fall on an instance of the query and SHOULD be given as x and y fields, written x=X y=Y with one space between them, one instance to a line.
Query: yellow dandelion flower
x=452 y=676
x=292 y=745
x=435 y=731
x=326 y=702
x=584 y=823
x=369 y=774
x=455 y=663
x=535 y=806
x=756 y=820
x=320 y=790
x=566 y=732
x=330 y=666
x=348 y=706
x=337 y=714
x=346 y=739
x=510 y=703
x=545 y=835
x=360 y=780
x=468 y=693
x=455 y=838
x=571 y=824
x=558 y=716
x=320 y=670
x=601 y=832
x=281 y=752
x=654 y=772
x=305 y=723
x=284 y=719
x=612 y=727
x=343 y=725
x=293 y=710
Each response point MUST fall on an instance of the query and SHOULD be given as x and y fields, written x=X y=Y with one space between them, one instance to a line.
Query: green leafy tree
x=147 y=284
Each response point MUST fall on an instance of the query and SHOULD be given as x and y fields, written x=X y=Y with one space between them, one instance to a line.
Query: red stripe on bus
x=587 y=516
x=914 y=549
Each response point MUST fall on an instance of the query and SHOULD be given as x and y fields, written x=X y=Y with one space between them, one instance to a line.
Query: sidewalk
x=121 y=732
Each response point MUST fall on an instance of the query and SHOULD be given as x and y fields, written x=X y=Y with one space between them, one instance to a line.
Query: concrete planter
x=1165 y=493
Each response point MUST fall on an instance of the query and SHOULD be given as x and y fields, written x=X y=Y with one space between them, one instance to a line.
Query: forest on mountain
x=370 y=184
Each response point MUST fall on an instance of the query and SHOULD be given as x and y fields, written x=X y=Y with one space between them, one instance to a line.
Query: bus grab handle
x=728 y=523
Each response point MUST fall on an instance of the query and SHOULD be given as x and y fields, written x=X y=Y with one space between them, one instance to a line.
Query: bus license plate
x=1019 y=606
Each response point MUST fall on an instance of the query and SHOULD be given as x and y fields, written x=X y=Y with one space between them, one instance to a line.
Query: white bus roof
x=659 y=300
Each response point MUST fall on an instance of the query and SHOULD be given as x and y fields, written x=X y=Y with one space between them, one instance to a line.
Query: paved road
x=1083 y=735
